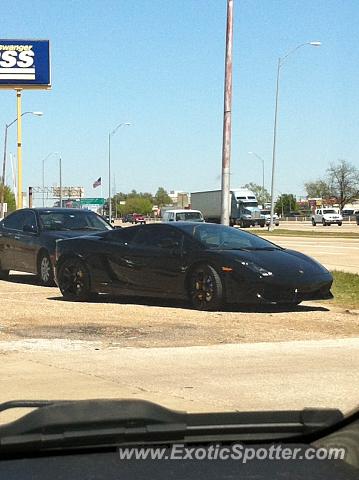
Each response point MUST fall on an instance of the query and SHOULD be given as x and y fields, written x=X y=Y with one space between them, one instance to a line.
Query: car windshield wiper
x=85 y=228
x=261 y=248
x=245 y=249
x=86 y=423
x=56 y=229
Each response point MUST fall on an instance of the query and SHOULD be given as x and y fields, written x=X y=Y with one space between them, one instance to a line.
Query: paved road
x=211 y=378
x=333 y=253
x=294 y=225
x=351 y=227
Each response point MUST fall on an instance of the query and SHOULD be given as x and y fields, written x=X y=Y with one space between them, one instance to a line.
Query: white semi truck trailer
x=244 y=210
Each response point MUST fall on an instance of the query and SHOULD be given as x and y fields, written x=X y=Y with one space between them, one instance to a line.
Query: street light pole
x=281 y=61
x=60 y=168
x=43 y=176
x=38 y=114
x=261 y=159
x=127 y=124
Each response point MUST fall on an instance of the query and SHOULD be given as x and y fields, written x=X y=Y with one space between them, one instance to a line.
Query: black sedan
x=206 y=263
x=28 y=238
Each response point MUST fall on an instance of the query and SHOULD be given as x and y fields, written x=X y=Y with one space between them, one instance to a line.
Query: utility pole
x=227 y=117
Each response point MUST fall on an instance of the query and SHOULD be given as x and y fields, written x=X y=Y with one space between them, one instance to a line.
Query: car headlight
x=256 y=268
x=247 y=215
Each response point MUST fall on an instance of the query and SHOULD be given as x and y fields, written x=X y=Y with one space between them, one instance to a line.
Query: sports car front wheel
x=205 y=288
x=74 y=280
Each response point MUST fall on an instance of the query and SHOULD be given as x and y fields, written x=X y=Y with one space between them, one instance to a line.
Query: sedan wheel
x=314 y=222
x=205 y=288
x=74 y=280
x=45 y=270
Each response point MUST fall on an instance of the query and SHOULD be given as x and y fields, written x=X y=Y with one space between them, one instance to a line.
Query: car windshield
x=71 y=220
x=329 y=211
x=189 y=217
x=226 y=238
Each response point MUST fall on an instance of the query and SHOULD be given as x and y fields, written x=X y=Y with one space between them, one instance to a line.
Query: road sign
x=92 y=201
x=25 y=64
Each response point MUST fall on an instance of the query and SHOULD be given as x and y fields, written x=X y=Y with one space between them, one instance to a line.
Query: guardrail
x=350 y=219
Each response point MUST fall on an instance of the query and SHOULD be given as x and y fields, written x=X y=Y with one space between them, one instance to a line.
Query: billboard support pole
x=2 y=199
x=19 y=149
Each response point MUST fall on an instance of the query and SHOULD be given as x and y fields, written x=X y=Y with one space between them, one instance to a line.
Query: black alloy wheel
x=205 y=288
x=74 y=280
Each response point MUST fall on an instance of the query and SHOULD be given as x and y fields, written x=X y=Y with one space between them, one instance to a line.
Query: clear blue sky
x=159 y=64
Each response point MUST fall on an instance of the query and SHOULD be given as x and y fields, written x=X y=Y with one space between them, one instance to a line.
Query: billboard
x=25 y=64
x=69 y=192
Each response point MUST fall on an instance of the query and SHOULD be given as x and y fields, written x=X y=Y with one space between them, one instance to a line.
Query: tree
x=162 y=198
x=263 y=196
x=135 y=202
x=9 y=198
x=285 y=204
x=344 y=182
x=137 y=205
x=318 y=189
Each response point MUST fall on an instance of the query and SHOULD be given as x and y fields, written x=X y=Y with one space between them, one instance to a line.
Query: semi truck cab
x=249 y=213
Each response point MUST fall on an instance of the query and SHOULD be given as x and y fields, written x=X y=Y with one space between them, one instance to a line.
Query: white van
x=182 y=216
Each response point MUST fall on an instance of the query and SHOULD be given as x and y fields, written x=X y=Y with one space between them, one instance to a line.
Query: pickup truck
x=266 y=214
x=327 y=216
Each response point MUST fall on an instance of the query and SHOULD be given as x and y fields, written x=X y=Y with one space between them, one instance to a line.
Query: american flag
x=97 y=183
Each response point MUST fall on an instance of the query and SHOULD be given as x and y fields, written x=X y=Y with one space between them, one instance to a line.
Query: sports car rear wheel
x=74 y=280
x=205 y=288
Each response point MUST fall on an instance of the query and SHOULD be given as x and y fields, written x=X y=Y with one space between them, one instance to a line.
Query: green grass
x=345 y=289
x=307 y=233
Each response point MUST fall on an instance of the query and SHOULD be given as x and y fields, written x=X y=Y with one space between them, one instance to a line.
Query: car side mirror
x=30 y=229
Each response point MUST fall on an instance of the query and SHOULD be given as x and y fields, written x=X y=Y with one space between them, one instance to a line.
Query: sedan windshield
x=80 y=220
x=228 y=238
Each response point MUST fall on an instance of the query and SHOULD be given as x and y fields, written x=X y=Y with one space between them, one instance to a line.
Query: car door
x=10 y=232
x=26 y=244
x=156 y=254
x=149 y=260
x=116 y=260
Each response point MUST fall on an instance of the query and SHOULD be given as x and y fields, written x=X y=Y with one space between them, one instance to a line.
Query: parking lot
x=333 y=253
x=152 y=349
